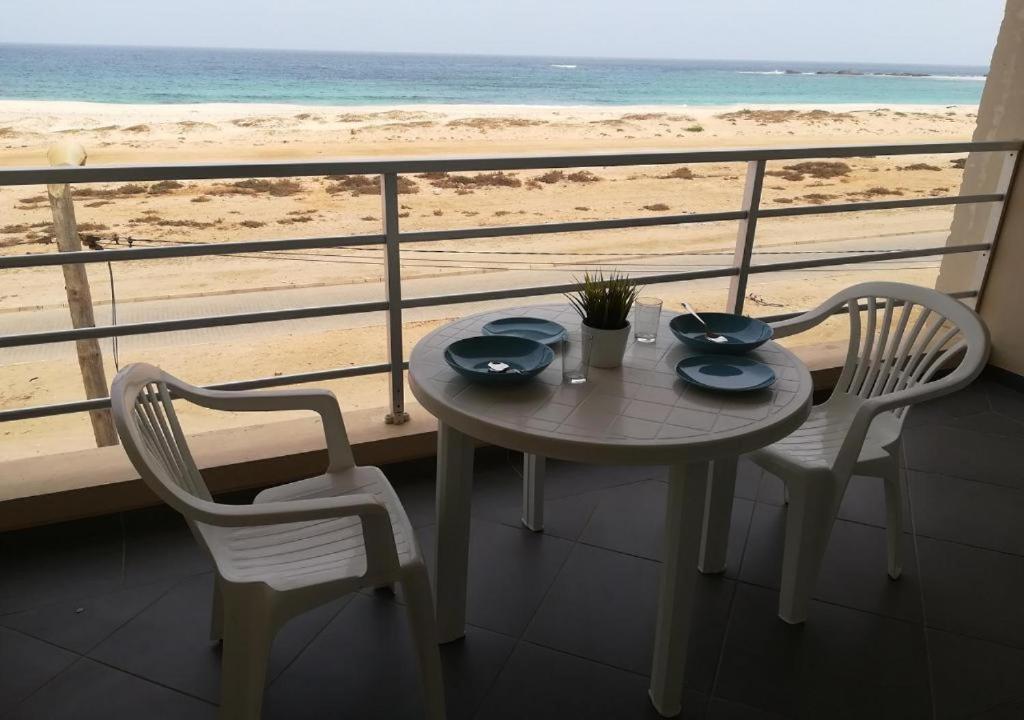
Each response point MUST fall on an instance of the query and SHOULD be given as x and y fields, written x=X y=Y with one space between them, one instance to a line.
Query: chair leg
x=217 y=612
x=420 y=608
x=249 y=631
x=809 y=520
x=533 y=491
x=894 y=517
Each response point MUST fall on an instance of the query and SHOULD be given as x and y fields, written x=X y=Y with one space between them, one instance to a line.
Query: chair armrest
x=378 y=534
x=800 y=323
x=321 y=402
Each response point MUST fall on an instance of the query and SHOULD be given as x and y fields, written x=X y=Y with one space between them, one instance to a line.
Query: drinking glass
x=575 y=360
x=646 y=318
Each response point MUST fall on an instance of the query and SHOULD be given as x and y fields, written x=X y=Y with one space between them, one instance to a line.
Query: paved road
x=516 y=276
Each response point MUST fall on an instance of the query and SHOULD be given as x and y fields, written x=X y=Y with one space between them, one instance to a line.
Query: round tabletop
x=639 y=414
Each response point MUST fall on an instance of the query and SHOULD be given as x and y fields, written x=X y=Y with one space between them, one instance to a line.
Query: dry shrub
x=98 y=203
x=920 y=166
x=368 y=218
x=252 y=223
x=817 y=198
x=582 y=176
x=683 y=173
x=32 y=200
x=502 y=213
x=120 y=191
x=694 y=128
x=820 y=169
x=551 y=177
x=295 y=219
x=137 y=128
x=656 y=207
x=164 y=186
x=367 y=185
x=435 y=175
x=12 y=229
x=497 y=123
x=438 y=213
x=260 y=186
x=785 y=175
x=465 y=182
x=877 y=191
x=201 y=199
x=958 y=163
x=767 y=117
x=784 y=201
x=581 y=207
x=91 y=226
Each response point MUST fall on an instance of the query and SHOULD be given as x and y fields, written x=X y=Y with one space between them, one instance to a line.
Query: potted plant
x=604 y=304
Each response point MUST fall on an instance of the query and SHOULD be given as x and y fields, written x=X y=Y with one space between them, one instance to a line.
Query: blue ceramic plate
x=726 y=374
x=543 y=331
x=742 y=334
x=475 y=357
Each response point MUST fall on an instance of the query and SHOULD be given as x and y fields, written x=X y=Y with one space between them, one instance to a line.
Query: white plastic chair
x=296 y=547
x=893 y=361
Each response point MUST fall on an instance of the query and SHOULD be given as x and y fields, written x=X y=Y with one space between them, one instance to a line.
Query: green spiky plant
x=604 y=302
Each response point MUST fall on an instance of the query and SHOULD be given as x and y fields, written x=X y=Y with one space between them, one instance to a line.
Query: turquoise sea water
x=180 y=75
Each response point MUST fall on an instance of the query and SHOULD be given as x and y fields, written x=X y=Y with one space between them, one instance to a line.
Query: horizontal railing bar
x=187 y=250
x=159 y=326
x=436 y=300
x=870 y=257
x=376 y=166
x=840 y=310
x=879 y=205
x=582 y=225
x=39 y=411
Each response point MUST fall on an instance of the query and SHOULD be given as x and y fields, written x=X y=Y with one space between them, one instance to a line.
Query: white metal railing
x=391 y=238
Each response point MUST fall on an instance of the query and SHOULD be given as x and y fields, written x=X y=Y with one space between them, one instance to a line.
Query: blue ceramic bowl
x=742 y=334
x=543 y=331
x=725 y=374
x=471 y=357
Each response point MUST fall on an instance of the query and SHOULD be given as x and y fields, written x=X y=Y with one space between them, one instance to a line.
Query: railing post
x=993 y=228
x=393 y=291
x=745 y=236
x=76 y=284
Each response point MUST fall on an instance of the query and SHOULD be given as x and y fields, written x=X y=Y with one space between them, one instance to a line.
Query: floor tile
x=864 y=502
x=853 y=573
x=91 y=691
x=510 y=571
x=26 y=664
x=542 y=684
x=79 y=625
x=972 y=591
x=69 y=560
x=631 y=520
x=362 y=666
x=169 y=641
x=159 y=545
x=968 y=512
x=1006 y=401
x=603 y=607
x=970 y=676
x=841 y=663
x=719 y=709
x=966 y=454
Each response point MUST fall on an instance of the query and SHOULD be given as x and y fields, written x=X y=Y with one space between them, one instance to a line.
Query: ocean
x=191 y=75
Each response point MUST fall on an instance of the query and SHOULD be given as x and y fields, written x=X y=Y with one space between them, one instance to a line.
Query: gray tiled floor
x=106 y=618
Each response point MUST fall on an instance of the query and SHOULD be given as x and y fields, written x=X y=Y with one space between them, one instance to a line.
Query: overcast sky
x=903 y=31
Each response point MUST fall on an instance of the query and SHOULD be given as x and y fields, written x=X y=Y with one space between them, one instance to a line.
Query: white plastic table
x=639 y=414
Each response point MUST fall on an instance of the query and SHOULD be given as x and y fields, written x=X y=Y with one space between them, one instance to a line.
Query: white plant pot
x=606 y=346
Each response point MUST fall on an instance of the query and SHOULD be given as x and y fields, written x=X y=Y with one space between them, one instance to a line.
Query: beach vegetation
x=694 y=128
x=958 y=163
x=920 y=166
x=657 y=207
x=680 y=173
x=581 y=176
x=260 y=186
x=465 y=182
x=252 y=223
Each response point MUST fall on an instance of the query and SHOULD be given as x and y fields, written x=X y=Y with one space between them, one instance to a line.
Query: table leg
x=714 y=541
x=685 y=508
x=451 y=561
x=533 y=491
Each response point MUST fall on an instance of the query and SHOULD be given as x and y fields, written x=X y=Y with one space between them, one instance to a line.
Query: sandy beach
x=189 y=212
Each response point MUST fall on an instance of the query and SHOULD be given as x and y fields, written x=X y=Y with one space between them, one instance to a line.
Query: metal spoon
x=708 y=332
x=500 y=367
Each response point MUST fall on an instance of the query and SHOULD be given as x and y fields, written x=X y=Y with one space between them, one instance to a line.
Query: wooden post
x=76 y=284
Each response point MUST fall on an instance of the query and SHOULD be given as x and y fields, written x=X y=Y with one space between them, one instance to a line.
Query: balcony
x=105 y=614
x=102 y=617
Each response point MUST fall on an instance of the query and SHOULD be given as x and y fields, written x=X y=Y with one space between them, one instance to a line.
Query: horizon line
x=485 y=55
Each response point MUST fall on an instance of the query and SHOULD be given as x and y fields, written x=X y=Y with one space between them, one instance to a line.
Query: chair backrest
x=902 y=336
x=140 y=399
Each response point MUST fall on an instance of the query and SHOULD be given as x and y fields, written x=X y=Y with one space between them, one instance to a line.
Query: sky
x=950 y=32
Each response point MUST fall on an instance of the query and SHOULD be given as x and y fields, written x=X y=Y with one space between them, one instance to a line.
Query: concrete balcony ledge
x=96 y=481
